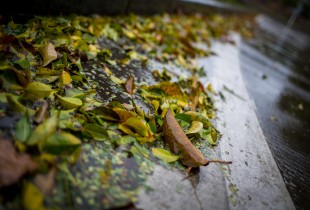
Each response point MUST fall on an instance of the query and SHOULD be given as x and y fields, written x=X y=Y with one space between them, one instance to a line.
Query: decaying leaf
x=12 y=164
x=48 y=53
x=181 y=145
x=130 y=85
x=165 y=155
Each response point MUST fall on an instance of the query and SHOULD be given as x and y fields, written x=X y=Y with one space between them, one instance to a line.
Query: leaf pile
x=95 y=151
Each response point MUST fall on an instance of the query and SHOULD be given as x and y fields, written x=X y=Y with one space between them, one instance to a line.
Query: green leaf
x=69 y=102
x=17 y=106
x=184 y=117
x=36 y=90
x=43 y=131
x=165 y=155
x=61 y=142
x=196 y=127
x=23 y=63
x=48 y=53
x=95 y=131
x=196 y=116
x=23 y=129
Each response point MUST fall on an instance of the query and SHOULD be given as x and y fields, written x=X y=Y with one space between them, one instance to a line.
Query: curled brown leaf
x=130 y=85
x=181 y=145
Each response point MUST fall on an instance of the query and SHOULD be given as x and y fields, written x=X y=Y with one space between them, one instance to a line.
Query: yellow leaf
x=69 y=102
x=32 y=197
x=165 y=155
x=36 y=90
x=65 y=78
x=48 y=53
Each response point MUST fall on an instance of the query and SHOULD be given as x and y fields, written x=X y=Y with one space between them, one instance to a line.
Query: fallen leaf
x=13 y=165
x=32 y=197
x=65 y=78
x=61 y=142
x=48 y=53
x=69 y=102
x=196 y=127
x=37 y=90
x=196 y=116
x=95 y=131
x=138 y=125
x=165 y=155
x=23 y=129
x=130 y=85
x=43 y=131
x=124 y=115
x=180 y=144
x=16 y=106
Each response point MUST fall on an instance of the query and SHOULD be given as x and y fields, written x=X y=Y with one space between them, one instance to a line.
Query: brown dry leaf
x=180 y=144
x=46 y=182
x=13 y=165
x=130 y=85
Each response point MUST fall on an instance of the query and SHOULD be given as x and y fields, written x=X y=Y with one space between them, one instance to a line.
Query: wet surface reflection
x=277 y=78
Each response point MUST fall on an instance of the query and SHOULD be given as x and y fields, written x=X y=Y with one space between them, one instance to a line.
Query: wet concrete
x=252 y=181
x=277 y=74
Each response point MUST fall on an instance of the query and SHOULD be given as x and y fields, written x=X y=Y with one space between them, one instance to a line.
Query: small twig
x=233 y=93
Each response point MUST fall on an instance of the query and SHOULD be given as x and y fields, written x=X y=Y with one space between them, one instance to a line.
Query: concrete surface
x=252 y=181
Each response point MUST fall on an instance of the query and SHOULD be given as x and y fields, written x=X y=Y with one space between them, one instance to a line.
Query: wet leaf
x=96 y=132
x=23 y=129
x=180 y=144
x=130 y=85
x=23 y=63
x=196 y=127
x=13 y=165
x=17 y=106
x=37 y=90
x=69 y=102
x=32 y=197
x=165 y=155
x=196 y=116
x=123 y=115
x=43 y=131
x=48 y=53
x=138 y=125
x=65 y=78
x=61 y=142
